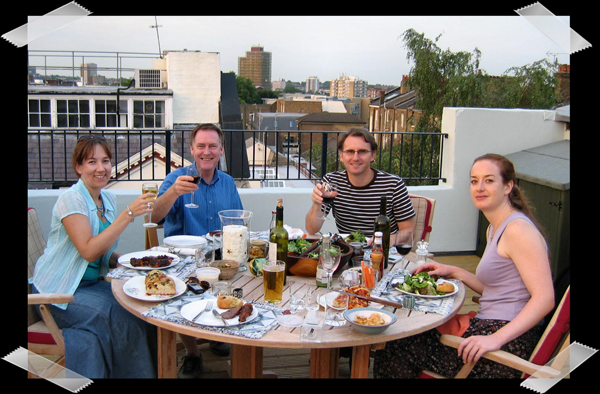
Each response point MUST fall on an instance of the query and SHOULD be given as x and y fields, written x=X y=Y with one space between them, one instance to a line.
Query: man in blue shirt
x=215 y=191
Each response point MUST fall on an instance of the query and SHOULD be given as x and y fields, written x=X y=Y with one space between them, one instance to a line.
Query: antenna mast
x=156 y=26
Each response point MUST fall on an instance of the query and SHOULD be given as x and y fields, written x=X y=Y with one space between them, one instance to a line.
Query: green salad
x=421 y=283
x=300 y=245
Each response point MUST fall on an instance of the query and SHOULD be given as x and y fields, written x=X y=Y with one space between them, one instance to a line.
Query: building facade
x=348 y=86
x=256 y=66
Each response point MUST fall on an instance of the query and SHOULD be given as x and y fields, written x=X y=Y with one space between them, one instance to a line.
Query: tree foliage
x=454 y=79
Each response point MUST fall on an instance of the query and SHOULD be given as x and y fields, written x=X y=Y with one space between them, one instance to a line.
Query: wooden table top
x=409 y=322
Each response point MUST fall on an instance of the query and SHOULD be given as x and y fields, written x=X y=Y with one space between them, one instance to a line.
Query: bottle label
x=272 y=251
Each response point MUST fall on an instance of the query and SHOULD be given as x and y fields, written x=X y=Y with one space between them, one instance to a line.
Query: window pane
x=34 y=106
x=73 y=107
x=46 y=120
x=100 y=122
x=160 y=107
x=61 y=106
x=100 y=106
x=159 y=121
x=45 y=105
x=84 y=106
x=85 y=120
x=111 y=120
x=123 y=106
x=148 y=121
x=138 y=121
x=111 y=106
x=149 y=107
x=138 y=107
x=73 y=121
x=62 y=120
x=34 y=120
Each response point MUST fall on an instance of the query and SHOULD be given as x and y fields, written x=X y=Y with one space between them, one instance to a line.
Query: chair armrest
x=49 y=298
x=505 y=358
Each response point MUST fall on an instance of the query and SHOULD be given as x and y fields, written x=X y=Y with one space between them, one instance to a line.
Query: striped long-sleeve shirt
x=355 y=208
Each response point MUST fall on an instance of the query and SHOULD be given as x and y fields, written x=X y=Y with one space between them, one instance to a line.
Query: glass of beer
x=150 y=188
x=273 y=275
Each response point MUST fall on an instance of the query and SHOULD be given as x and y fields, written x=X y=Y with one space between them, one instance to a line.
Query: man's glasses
x=361 y=152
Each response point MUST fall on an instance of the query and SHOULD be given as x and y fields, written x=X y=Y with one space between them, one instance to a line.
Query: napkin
x=293 y=233
x=181 y=251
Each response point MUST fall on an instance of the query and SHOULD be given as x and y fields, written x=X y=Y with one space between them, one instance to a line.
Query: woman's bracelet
x=130 y=214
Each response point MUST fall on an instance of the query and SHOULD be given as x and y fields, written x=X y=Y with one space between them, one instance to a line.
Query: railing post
x=168 y=152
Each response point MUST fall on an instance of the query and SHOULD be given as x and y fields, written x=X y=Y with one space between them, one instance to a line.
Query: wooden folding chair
x=151 y=237
x=554 y=340
x=43 y=335
x=424 y=208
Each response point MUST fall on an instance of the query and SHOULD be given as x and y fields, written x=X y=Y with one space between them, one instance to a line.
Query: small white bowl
x=387 y=316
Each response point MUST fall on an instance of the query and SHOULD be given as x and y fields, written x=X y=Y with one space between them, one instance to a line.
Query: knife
x=214 y=311
x=372 y=299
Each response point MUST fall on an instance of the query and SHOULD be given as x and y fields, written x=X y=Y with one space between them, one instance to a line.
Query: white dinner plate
x=136 y=288
x=185 y=241
x=439 y=281
x=332 y=295
x=190 y=311
x=124 y=259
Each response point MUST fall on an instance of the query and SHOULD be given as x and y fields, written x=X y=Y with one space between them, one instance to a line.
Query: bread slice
x=157 y=283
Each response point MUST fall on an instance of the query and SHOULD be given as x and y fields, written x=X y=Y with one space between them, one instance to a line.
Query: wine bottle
x=382 y=224
x=321 y=276
x=278 y=240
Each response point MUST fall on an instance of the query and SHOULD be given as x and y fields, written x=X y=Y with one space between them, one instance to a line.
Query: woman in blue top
x=102 y=339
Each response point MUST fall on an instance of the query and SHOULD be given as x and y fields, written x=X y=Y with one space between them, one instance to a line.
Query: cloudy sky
x=367 y=47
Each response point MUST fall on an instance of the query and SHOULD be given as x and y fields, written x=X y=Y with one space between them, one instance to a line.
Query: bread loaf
x=226 y=302
x=157 y=283
x=445 y=287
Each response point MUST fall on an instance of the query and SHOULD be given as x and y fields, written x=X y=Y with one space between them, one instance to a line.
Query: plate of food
x=233 y=310
x=148 y=260
x=156 y=286
x=333 y=299
x=425 y=286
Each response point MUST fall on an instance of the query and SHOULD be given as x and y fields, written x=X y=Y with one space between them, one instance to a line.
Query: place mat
x=256 y=329
x=181 y=270
x=441 y=306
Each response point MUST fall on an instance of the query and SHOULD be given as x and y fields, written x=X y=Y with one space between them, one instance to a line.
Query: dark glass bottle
x=278 y=240
x=382 y=224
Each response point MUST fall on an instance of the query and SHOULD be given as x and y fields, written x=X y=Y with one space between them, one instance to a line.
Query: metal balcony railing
x=416 y=157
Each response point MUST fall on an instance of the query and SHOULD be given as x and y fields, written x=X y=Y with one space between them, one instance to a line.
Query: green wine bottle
x=278 y=240
x=382 y=223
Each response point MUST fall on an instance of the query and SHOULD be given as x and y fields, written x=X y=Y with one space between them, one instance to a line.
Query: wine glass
x=150 y=188
x=327 y=189
x=297 y=299
x=330 y=259
x=193 y=172
x=404 y=243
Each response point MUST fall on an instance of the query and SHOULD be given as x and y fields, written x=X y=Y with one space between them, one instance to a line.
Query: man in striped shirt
x=360 y=188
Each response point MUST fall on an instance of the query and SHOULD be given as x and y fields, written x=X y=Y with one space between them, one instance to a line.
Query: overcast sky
x=367 y=47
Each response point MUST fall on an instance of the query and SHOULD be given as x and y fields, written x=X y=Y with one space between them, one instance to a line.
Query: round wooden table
x=247 y=353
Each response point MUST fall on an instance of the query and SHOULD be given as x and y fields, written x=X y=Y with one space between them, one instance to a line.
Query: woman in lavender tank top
x=513 y=277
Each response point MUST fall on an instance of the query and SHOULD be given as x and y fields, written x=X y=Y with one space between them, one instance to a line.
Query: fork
x=207 y=308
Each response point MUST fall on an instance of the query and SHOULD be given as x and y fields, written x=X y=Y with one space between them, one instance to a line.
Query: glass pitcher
x=235 y=236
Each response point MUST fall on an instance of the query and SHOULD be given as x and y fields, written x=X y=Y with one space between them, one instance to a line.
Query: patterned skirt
x=406 y=357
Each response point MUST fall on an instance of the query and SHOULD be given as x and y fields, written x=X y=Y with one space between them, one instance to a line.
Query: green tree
x=246 y=91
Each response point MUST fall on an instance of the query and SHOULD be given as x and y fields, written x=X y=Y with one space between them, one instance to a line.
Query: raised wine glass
x=150 y=188
x=327 y=189
x=403 y=243
x=193 y=172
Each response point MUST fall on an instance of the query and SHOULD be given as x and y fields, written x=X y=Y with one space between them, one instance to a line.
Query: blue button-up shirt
x=219 y=195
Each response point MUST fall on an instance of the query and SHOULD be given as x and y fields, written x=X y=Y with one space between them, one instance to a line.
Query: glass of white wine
x=150 y=188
